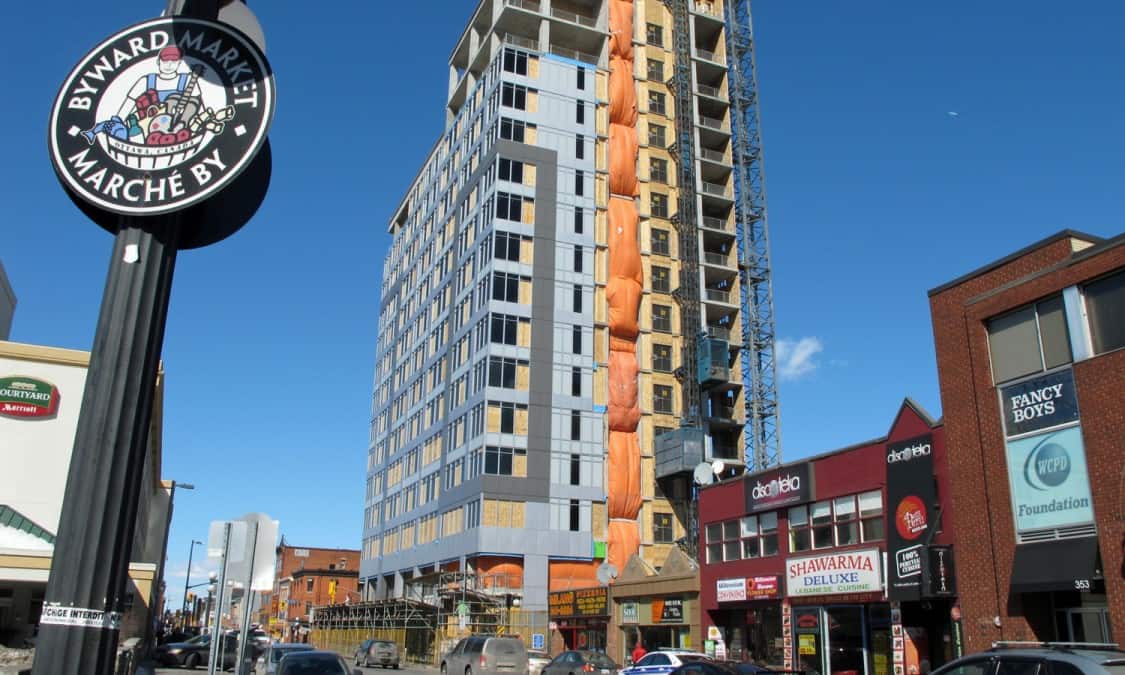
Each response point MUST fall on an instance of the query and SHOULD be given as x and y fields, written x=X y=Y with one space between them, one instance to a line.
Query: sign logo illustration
x=161 y=115
x=910 y=518
x=27 y=397
x=1047 y=466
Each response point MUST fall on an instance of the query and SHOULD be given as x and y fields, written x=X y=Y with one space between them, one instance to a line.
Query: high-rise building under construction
x=576 y=310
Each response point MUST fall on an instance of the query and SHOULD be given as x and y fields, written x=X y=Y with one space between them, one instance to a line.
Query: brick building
x=308 y=578
x=1031 y=365
x=837 y=563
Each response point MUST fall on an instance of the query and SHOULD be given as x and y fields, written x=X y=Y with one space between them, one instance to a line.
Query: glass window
x=799 y=536
x=662 y=318
x=660 y=279
x=662 y=399
x=576 y=339
x=658 y=205
x=662 y=532
x=580 y=113
x=768 y=527
x=658 y=170
x=660 y=242
x=662 y=358
x=656 y=135
x=515 y=61
x=847 y=529
x=654 y=34
x=577 y=301
x=655 y=70
x=871 y=515
x=581 y=75
x=1105 y=305
x=821 y=516
x=511 y=170
x=749 y=526
x=1028 y=340
x=656 y=102
x=578 y=220
x=1012 y=666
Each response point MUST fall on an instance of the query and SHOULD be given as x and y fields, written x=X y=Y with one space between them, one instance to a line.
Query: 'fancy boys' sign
x=847 y=572
x=27 y=397
x=161 y=116
x=1040 y=403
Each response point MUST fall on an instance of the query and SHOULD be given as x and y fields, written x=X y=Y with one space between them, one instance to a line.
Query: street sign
x=161 y=116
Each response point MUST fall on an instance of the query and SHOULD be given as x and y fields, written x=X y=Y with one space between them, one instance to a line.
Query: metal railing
x=707 y=8
x=721 y=259
x=713 y=155
x=706 y=55
x=521 y=41
x=712 y=123
x=716 y=296
x=529 y=5
x=574 y=54
x=574 y=17
x=708 y=90
x=715 y=189
x=719 y=332
x=717 y=223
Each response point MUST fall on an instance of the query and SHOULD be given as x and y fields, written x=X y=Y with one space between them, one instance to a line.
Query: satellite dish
x=703 y=474
x=717 y=466
x=607 y=572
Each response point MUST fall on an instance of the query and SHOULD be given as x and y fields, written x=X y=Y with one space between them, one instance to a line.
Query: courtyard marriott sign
x=835 y=573
x=28 y=398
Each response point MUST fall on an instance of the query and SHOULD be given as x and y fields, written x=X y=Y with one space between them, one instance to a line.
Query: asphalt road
x=407 y=669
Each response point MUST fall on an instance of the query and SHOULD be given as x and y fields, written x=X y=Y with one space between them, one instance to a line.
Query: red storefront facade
x=817 y=566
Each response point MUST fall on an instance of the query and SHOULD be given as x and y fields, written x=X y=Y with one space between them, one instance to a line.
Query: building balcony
x=529 y=5
x=724 y=225
x=716 y=190
x=574 y=17
x=521 y=42
x=708 y=10
x=574 y=54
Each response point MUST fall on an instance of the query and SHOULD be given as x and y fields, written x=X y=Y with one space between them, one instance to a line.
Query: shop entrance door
x=1086 y=624
x=846 y=640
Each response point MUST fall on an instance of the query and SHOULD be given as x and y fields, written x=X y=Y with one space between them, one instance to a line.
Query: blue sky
x=877 y=192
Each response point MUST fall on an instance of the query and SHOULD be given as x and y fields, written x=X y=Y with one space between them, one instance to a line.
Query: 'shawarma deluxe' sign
x=835 y=573
x=27 y=397
x=161 y=116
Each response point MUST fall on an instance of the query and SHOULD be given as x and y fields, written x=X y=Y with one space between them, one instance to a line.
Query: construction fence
x=434 y=614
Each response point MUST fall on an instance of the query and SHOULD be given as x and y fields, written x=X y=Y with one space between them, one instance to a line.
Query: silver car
x=486 y=655
x=268 y=662
x=536 y=660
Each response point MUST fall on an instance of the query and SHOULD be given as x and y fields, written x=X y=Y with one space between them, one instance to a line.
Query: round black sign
x=161 y=116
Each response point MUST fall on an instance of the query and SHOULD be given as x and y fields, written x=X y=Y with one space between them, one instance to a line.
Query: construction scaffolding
x=435 y=612
x=763 y=426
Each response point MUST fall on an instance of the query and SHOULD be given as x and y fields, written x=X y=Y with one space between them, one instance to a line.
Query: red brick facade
x=305 y=579
x=976 y=443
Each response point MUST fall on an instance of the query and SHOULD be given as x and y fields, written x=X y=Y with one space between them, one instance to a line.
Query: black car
x=1056 y=658
x=315 y=663
x=196 y=651
x=579 y=662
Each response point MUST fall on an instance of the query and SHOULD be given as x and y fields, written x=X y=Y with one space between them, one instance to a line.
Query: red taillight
x=588 y=668
x=483 y=662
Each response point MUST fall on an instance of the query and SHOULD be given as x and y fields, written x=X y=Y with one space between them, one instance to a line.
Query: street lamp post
x=183 y=613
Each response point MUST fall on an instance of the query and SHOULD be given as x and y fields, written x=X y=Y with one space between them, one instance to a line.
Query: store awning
x=1055 y=565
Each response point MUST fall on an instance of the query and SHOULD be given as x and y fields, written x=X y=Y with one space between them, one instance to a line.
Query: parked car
x=195 y=652
x=315 y=662
x=536 y=660
x=1069 y=658
x=269 y=661
x=720 y=668
x=383 y=653
x=361 y=651
x=578 y=662
x=486 y=655
x=663 y=661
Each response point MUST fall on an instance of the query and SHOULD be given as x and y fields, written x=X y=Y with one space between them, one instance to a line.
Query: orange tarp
x=621 y=33
x=624 y=494
x=622 y=94
x=624 y=542
x=564 y=575
x=623 y=293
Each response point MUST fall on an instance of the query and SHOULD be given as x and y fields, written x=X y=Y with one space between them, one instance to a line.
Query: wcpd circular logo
x=161 y=116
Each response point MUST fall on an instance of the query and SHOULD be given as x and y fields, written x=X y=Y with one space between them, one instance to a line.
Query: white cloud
x=795 y=357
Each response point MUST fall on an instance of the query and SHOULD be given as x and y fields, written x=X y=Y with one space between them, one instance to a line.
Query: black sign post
x=153 y=128
x=910 y=499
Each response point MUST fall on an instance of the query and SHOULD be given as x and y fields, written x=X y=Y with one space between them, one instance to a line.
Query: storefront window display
x=843 y=639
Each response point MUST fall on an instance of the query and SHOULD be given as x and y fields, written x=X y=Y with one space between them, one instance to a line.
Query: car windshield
x=199 y=640
x=277 y=652
x=312 y=664
x=384 y=645
x=598 y=659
